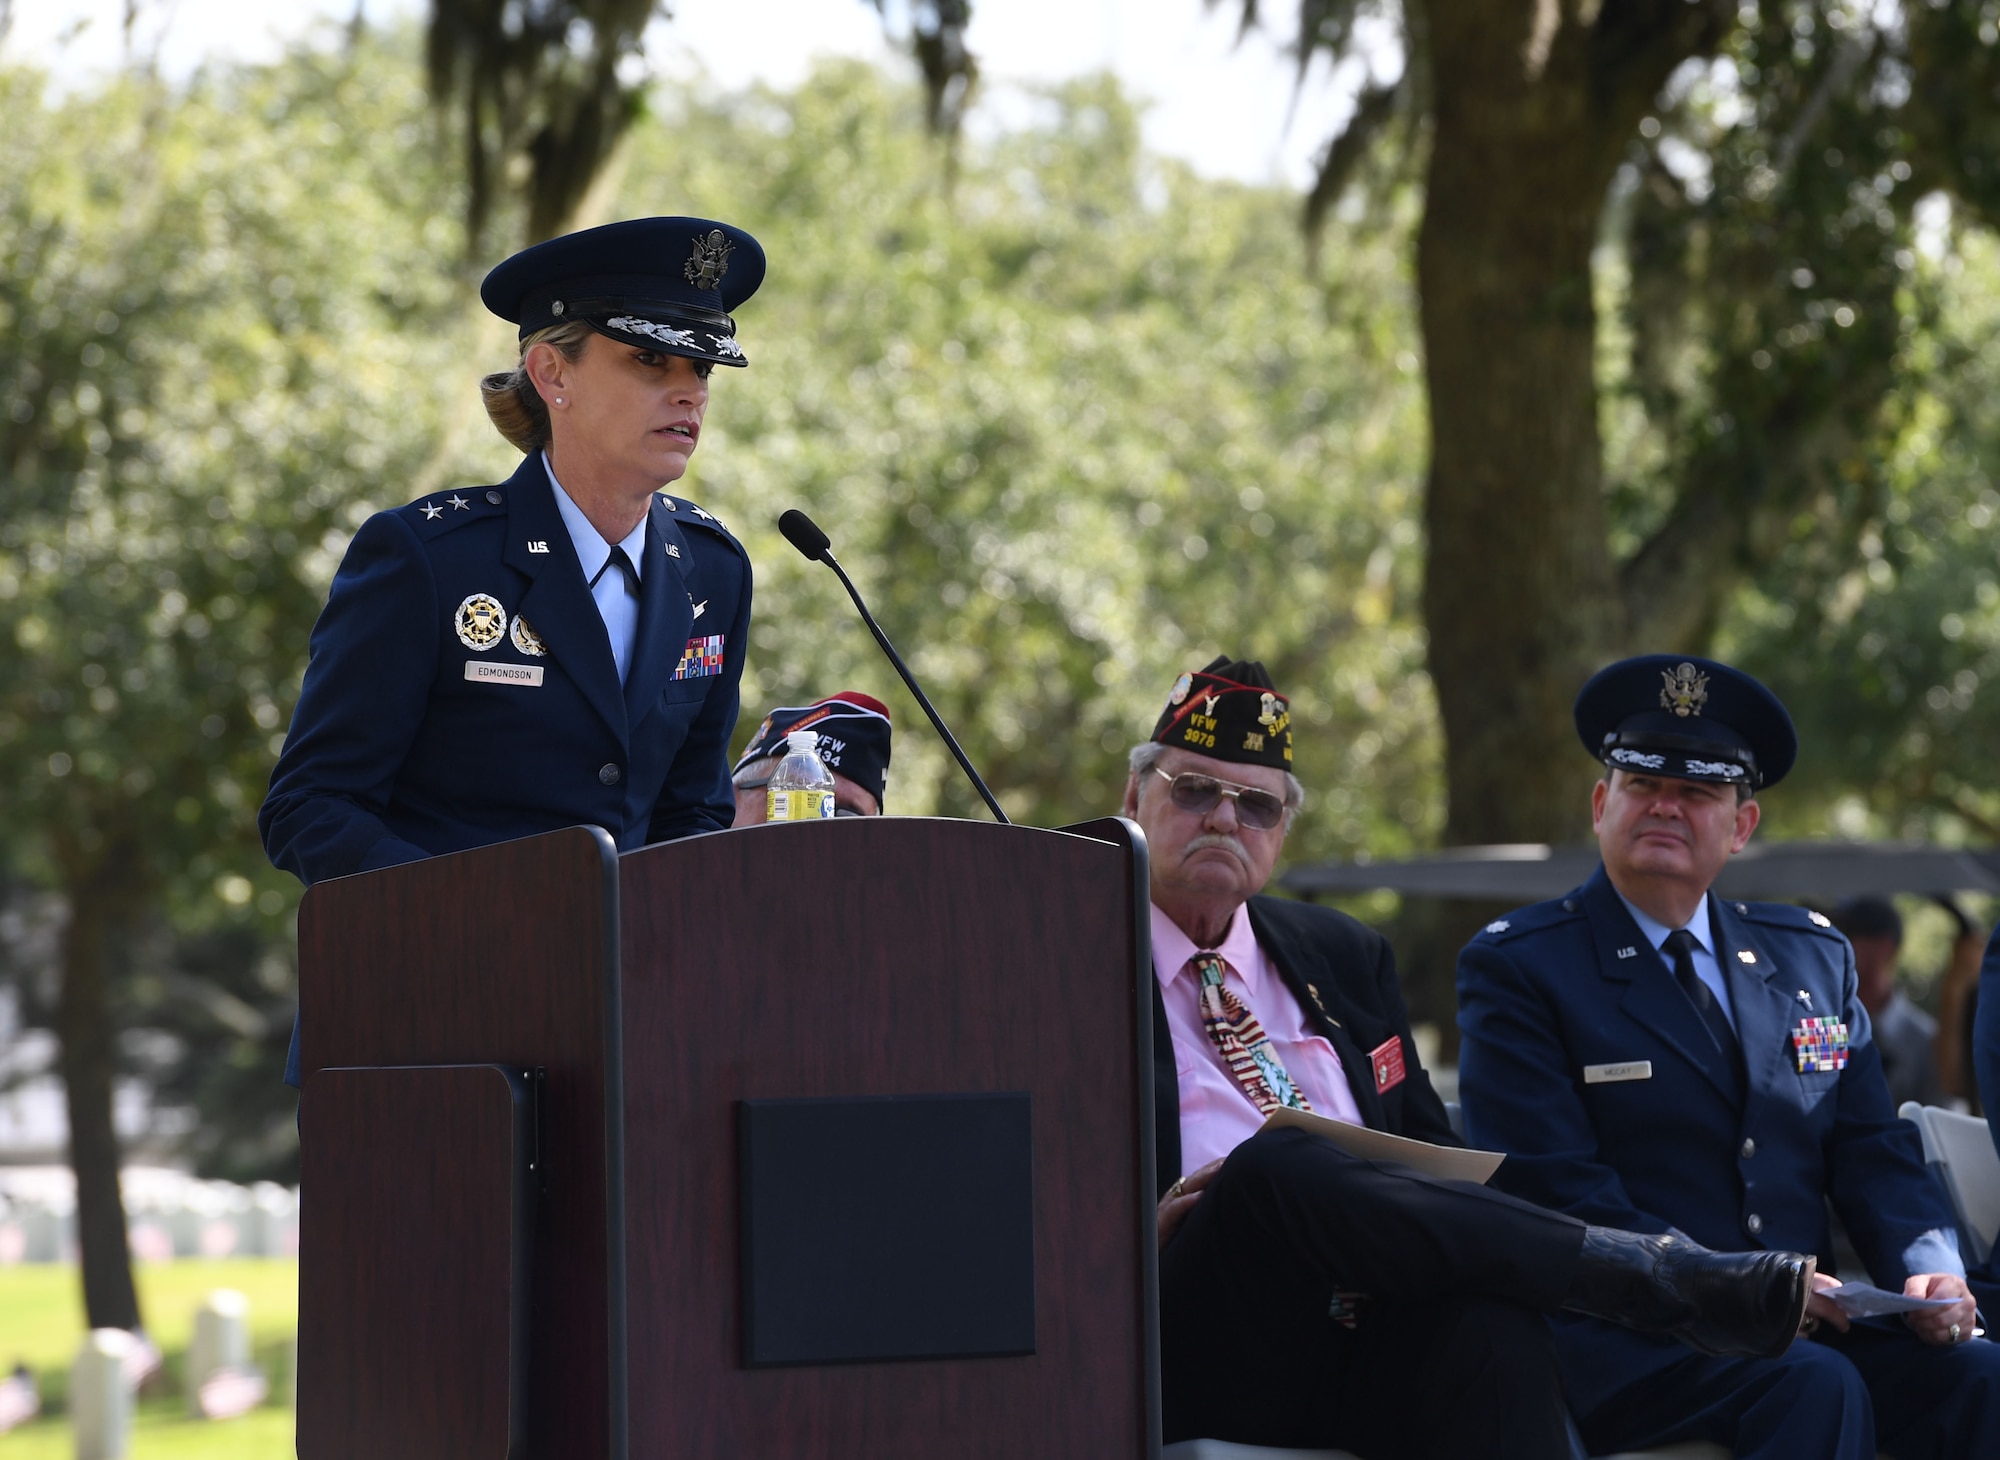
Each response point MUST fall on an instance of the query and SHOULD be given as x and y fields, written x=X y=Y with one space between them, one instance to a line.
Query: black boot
x=1739 y=1303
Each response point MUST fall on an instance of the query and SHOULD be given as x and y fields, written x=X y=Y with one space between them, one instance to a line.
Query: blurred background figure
x=853 y=730
x=1905 y=1034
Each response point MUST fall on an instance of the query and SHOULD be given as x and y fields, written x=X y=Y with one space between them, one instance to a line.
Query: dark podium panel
x=414 y=1312
x=960 y=1009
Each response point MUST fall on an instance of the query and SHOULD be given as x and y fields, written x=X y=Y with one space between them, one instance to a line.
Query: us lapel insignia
x=673 y=550
x=1744 y=955
x=1386 y=1060
x=1819 y=1045
x=1628 y=952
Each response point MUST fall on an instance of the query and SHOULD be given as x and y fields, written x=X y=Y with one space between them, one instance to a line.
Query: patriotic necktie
x=1242 y=1042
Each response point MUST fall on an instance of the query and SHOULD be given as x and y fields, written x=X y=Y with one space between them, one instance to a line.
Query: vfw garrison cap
x=1229 y=710
x=666 y=284
x=1692 y=719
x=853 y=730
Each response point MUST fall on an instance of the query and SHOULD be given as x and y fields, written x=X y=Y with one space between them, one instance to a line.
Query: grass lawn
x=41 y=1324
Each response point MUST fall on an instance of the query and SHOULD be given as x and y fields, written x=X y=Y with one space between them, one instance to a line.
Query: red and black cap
x=666 y=284
x=1229 y=710
x=853 y=730
x=1691 y=719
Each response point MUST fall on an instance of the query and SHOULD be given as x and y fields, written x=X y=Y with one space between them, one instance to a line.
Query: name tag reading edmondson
x=1610 y=1074
x=503 y=673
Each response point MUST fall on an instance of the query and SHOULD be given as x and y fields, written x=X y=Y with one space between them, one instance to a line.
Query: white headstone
x=221 y=1340
x=100 y=1400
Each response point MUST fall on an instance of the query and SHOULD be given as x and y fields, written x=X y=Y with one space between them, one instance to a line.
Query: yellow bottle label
x=798 y=805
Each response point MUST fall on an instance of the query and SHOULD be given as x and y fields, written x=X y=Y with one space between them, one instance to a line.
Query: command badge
x=710 y=259
x=481 y=622
x=1820 y=1045
x=1684 y=691
x=526 y=639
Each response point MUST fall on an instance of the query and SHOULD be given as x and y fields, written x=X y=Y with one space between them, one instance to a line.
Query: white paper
x=1449 y=1163
x=1860 y=1300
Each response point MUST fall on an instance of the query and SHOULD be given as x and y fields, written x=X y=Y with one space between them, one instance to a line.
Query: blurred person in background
x=853 y=730
x=1905 y=1034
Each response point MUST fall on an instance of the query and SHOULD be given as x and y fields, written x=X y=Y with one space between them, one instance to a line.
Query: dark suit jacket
x=1548 y=992
x=1344 y=976
x=395 y=753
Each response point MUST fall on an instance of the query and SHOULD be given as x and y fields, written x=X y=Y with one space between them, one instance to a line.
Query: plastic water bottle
x=801 y=788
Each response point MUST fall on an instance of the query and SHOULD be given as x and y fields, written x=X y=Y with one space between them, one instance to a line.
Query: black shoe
x=1737 y=1303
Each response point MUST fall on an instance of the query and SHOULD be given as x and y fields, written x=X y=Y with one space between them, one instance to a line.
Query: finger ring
x=1810 y=1326
x=1954 y=1333
x=1175 y=1190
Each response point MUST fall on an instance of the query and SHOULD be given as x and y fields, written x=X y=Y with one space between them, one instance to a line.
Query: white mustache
x=1224 y=843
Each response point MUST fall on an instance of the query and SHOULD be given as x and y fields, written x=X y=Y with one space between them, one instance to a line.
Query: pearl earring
x=558 y=400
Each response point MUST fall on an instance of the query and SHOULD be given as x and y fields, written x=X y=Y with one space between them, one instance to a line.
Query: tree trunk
x=99 y=906
x=1533 y=106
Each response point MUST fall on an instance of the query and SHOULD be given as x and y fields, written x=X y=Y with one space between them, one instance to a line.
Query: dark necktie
x=626 y=570
x=1680 y=946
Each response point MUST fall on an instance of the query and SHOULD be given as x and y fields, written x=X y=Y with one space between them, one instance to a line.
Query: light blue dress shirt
x=1705 y=967
x=617 y=596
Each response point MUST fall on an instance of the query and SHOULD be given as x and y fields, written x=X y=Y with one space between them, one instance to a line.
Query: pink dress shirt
x=1216 y=1116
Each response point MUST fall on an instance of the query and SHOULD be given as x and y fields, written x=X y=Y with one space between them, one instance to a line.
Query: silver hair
x=754 y=774
x=1145 y=757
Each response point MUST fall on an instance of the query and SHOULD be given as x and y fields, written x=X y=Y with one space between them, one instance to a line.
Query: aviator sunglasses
x=1192 y=791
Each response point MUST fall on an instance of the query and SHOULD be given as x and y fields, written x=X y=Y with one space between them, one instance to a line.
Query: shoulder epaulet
x=693 y=514
x=440 y=512
x=1531 y=919
x=1785 y=915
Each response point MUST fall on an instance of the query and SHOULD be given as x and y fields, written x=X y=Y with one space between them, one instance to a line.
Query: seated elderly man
x=853 y=730
x=1307 y=1296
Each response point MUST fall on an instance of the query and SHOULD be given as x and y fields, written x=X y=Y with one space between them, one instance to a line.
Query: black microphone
x=804 y=534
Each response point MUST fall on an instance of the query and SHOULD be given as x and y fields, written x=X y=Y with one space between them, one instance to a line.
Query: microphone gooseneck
x=814 y=545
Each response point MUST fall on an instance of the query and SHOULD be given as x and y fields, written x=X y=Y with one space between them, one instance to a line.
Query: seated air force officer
x=1655 y=1058
x=1308 y=1297
x=1985 y=1282
x=561 y=648
x=853 y=730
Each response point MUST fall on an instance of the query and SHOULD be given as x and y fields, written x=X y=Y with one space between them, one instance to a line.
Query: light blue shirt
x=617 y=596
x=1705 y=966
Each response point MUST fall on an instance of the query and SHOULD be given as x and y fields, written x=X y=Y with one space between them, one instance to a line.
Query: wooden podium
x=804 y=1140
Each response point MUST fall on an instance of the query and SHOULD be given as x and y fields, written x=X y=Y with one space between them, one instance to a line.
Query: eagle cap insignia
x=1684 y=690
x=710 y=259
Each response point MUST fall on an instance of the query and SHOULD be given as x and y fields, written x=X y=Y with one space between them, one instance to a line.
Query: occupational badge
x=481 y=622
x=526 y=639
x=1181 y=688
x=710 y=260
x=1684 y=690
x=1819 y=1045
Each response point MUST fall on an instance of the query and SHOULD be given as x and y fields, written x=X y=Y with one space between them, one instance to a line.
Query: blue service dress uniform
x=1584 y=1061
x=462 y=691
x=1985 y=1279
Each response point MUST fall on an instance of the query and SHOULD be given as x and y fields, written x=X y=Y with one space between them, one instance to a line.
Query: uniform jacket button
x=1749 y=1148
x=609 y=774
x=1754 y=1224
x=494 y=498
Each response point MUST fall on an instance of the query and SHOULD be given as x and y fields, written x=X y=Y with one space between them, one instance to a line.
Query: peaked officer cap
x=1692 y=719
x=666 y=284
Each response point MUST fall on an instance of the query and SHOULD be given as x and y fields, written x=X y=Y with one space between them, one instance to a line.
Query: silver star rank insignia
x=706 y=516
x=458 y=503
x=1819 y=920
x=432 y=513
x=1498 y=925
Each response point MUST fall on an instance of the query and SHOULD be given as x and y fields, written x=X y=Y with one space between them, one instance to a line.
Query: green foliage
x=228 y=325
x=1075 y=427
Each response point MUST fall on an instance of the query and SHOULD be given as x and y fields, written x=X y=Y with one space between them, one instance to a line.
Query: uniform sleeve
x=1893 y=1208
x=696 y=795
x=1520 y=1097
x=1986 y=1037
x=1424 y=1117
x=374 y=656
